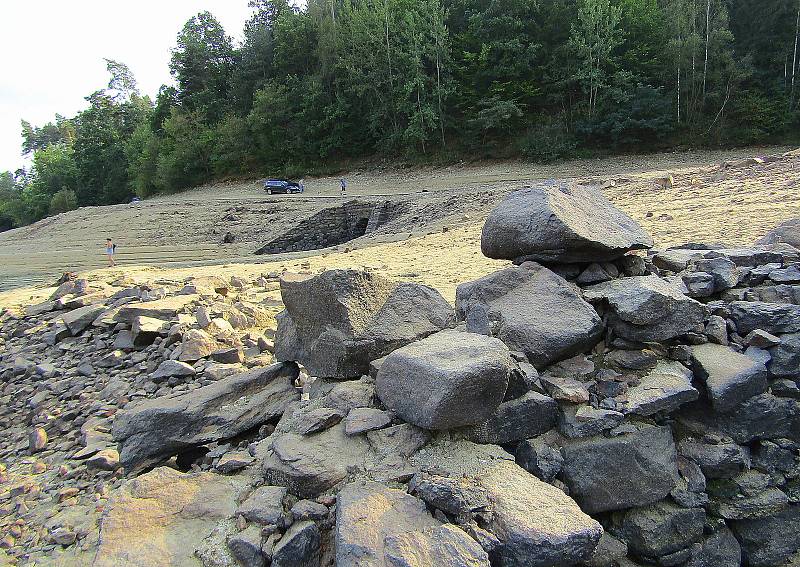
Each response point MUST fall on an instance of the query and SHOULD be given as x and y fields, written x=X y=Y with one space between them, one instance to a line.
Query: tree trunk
x=679 y=94
x=708 y=37
x=389 y=64
x=794 y=59
x=439 y=89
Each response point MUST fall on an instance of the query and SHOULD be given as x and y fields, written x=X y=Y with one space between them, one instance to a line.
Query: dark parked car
x=275 y=186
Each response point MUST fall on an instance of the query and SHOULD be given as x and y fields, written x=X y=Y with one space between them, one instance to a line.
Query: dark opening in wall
x=329 y=227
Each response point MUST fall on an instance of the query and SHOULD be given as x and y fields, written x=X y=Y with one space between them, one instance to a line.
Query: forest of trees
x=343 y=81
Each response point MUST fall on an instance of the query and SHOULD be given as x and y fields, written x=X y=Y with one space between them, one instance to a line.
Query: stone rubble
x=606 y=406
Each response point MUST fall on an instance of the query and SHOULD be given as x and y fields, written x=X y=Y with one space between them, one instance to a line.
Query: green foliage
x=63 y=201
x=548 y=141
x=311 y=88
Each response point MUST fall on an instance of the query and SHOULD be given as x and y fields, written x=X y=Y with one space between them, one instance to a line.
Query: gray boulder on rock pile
x=151 y=430
x=615 y=473
x=447 y=380
x=730 y=377
x=560 y=222
x=648 y=308
x=522 y=303
x=775 y=318
x=335 y=323
x=537 y=525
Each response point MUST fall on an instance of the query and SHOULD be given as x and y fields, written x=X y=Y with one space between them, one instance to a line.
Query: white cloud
x=51 y=53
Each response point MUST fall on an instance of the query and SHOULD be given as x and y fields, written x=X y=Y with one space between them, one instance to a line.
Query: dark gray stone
x=151 y=430
x=659 y=529
x=540 y=459
x=361 y=420
x=560 y=222
x=337 y=322
x=775 y=318
x=585 y=421
x=309 y=466
x=767 y=542
x=453 y=496
x=246 y=547
x=647 y=308
x=80 y=319
x=299 y=546
x=515 y=420
x=723 y=271
x=521 y=302
x=264 y=506
x=608 y=551
x=535 y=312
x=401 y=440
x=720 y=549
x=664 y=389
x=786 y=357
x=318 y=420
x=450 y=379
x=724 y=460
x=635 y=469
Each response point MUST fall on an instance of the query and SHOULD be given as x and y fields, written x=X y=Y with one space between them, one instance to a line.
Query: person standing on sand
x=344 y=186
x=110 y=249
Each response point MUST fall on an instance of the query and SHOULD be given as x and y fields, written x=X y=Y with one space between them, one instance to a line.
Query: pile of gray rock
x=596 y=403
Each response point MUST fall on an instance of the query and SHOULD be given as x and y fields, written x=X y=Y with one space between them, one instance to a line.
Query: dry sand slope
x=715 y=197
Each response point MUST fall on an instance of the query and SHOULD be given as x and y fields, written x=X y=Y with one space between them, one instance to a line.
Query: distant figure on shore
x=110 y=249
x=344 y=186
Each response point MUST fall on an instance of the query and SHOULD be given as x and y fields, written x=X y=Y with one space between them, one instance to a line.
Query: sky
x=52 y=53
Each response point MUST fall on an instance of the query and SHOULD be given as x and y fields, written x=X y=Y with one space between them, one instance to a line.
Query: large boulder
x=614 y=473
x=647 y=308
x=730 y=377
x=560 y=222
x=720 y=549
x=159 y=518
x=775 y=318
x=450 y=379
x=366 y=515
x=151 y=430
x=536 y=524
x=534 y=310
x=335 y=323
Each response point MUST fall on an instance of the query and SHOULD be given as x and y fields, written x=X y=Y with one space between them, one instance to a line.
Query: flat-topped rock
x=665 y=388
x=521 y=302
x=79 y=319
x=647 y=308
x=165 y=309
x=337 y=322
x=785 y=233
x=730 y=377
x=151 y=430
x=450 y=379
x=560 y=222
